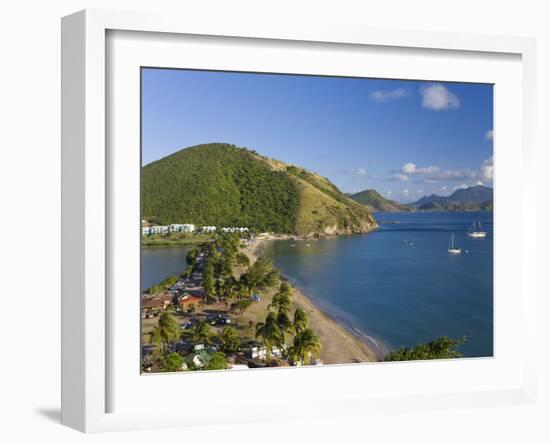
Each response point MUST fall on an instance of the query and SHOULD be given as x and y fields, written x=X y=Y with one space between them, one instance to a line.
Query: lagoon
x=159 y=263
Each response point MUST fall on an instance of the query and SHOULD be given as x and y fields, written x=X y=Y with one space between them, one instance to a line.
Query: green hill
x=377 y=203
x=224 y=185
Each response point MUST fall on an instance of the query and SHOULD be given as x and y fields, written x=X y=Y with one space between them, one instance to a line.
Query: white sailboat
x=452 y=248
x=476 y=231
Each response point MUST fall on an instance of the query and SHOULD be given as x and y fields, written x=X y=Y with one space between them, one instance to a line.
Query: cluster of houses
x=187 y=228
x=188 y=292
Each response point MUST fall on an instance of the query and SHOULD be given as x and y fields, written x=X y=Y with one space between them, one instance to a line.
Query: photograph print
x=302 y=220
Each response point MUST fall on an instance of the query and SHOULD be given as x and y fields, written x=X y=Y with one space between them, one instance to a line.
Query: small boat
x=476 y=231
x=452 y=249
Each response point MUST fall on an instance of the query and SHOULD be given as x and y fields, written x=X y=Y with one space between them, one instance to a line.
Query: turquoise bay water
x=400 y=294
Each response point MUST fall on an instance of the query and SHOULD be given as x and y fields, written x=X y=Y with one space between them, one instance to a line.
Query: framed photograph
x=249 y=210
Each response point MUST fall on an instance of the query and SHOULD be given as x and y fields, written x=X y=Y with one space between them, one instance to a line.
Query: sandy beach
x=339 y=346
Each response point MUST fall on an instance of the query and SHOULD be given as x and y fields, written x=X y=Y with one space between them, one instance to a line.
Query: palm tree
x=165 y=333
x=260 y=276
x=305 y=345
x=301 y=321
x=281 y=303
x=230 y=340
x=270 y=333
x=285 y=288
x=199 y=333
x=155 y=337
x=229 y=288
x=209 y=282
x=284 y=321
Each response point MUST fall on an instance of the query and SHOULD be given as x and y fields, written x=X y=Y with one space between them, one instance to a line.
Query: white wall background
x=30 y=215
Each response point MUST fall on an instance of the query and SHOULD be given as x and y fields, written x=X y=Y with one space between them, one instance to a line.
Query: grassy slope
x=221 y=184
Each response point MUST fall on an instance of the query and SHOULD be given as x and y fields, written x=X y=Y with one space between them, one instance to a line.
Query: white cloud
x=479 y=183
x=399 y=177
x=489 y=135
x=393 y=94
x=409 y=168
x=487 y=169
x=431 y=174
x=461 y=186
x=438 y=97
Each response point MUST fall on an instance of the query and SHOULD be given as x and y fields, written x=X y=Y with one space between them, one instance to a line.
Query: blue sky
x=405 y=139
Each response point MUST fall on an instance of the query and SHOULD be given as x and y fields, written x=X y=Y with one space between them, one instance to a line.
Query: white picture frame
x=87 y=207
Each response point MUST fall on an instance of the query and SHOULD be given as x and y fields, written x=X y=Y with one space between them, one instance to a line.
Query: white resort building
x=187 y=228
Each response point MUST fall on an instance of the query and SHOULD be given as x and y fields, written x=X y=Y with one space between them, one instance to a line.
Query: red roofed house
x=187 y=300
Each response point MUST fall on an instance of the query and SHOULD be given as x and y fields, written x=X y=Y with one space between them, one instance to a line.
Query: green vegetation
x=281 y=304
x=163 y=285
x=219 y=184
x=200 y=333
x=237 y=290
x=261 y=276
x=175 y=239
x=172 y=362
x=304 y=345
x=271 y=334
x=224 y=185
x=218 y=362
x=301 y=321
x=441 y=348
x=377 y=203
x=165 y=333
x=230 y=340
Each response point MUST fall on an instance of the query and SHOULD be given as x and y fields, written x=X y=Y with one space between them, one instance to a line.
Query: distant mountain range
x=377 y=203
x=472 y=198
x=477 y=197
x=225 y=185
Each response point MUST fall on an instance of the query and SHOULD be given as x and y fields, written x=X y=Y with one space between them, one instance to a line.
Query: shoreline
x=341 y=343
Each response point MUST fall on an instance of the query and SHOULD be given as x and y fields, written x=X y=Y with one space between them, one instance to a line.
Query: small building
x=261 y=352
x=234 y=229
x=197 y=359
x=159 y=230
x=209 y=229
x=187 y=300
x=146 y=231
x=185 y=228
x=156 y=303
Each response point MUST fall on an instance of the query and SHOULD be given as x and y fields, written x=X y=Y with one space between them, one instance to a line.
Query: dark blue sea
x=399 y=284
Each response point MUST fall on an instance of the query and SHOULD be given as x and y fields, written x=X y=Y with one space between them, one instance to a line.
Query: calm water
x=158 y=263
x=400 y=294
